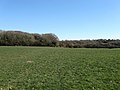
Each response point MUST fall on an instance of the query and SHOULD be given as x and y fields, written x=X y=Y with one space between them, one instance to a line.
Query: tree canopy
x=18 y=38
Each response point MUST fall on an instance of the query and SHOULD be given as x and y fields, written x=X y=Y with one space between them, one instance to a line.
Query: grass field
x=35 y=68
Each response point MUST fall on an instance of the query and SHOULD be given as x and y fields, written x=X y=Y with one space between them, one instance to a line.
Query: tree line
x=99 y=43
x=18 y=38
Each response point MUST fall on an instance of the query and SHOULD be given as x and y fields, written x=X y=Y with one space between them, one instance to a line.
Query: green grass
x=34 y=68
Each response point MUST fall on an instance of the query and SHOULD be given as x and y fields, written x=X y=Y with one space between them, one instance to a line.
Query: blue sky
x=68 y=19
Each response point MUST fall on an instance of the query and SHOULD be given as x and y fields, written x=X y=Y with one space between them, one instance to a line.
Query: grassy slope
x=33 y=68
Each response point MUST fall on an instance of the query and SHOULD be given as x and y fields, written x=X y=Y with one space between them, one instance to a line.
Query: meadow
x=44 y=68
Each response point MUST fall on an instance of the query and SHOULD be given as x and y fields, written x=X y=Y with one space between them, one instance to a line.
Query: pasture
x=43 y=68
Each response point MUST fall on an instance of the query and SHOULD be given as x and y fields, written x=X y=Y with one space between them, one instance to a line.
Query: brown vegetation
x=18 y=38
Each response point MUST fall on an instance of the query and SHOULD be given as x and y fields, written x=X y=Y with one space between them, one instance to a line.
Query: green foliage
x=35 y=68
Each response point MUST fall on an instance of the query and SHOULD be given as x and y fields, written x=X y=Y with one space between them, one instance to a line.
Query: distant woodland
x=18 y=38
